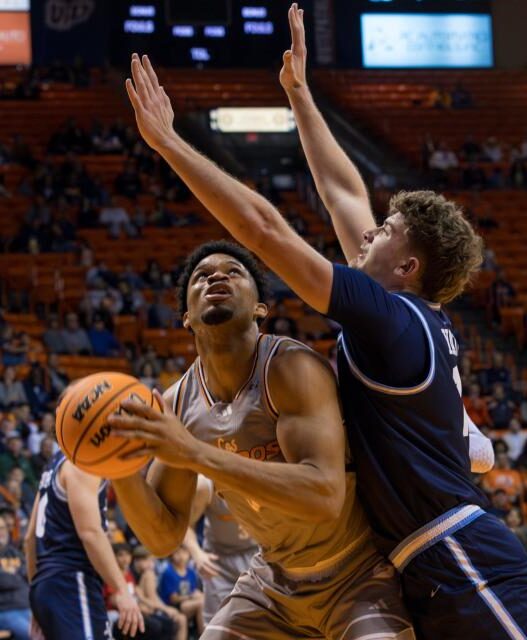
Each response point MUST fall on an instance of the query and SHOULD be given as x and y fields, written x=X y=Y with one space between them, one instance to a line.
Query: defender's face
x=383 y=250
x=220 y=289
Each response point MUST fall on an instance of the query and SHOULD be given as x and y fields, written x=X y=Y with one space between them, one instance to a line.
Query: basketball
x=81 y=424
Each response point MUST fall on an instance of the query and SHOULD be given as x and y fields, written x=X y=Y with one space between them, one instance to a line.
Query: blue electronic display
x=426 y=40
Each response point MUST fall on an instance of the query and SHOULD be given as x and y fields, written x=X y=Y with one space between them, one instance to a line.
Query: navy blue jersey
x=59 y=548
x=401 y=395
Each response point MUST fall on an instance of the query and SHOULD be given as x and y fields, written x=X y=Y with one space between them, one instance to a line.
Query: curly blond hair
x=446 y=243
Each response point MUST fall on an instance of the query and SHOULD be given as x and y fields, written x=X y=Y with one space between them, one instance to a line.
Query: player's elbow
x=162 y=546
x=331 y=502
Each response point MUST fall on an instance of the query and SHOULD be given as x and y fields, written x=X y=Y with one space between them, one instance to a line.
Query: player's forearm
x=249 y=217
x=102 y=558
x=337 y=179
x=300 y=491
x=31 y=557
x=156 y=526
x=191 y=543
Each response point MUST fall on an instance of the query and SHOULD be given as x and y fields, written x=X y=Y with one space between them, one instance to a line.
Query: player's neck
x=227 y=360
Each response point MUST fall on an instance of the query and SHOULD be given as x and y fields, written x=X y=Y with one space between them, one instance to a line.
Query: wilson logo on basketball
x=101 y=435
x=89 y=399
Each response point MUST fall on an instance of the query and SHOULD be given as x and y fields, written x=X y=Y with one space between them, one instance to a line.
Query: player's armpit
x=310 y=430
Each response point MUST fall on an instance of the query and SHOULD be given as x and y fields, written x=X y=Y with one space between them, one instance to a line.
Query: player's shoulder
x=173 y=391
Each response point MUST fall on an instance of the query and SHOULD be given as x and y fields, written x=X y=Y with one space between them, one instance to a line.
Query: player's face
x=385 y=252
x=220 y=290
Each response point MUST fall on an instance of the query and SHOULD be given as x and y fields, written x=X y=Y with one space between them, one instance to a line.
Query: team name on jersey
x=262 y=452
x=453 y=347
x=45 y=479
x=89 y=400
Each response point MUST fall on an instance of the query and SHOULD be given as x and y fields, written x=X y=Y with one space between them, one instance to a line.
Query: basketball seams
x=108 y=401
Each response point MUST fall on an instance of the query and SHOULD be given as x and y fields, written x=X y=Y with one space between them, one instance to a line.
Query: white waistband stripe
x=432 y=533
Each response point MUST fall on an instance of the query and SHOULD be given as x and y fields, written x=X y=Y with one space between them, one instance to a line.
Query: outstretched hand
x=163 y=434
x=293 y=73
x=153 y=110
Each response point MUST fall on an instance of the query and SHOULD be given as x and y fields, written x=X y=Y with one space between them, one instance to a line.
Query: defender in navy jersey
x=68 y=552
x=464 y=573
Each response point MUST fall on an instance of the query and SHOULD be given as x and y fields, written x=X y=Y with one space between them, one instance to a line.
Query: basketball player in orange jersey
x=259 y=416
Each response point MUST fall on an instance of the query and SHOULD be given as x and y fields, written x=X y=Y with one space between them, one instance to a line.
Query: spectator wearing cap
x=15 y=615
x=14 y=457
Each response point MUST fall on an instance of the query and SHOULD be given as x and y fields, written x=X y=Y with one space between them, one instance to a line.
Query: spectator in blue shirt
x=103 y=343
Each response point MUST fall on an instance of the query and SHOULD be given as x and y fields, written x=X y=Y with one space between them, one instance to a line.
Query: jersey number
x=41 y=516
x=457 y=381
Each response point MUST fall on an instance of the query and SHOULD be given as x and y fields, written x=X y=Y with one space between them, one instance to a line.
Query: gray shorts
x=354 y=604
x=218 y=588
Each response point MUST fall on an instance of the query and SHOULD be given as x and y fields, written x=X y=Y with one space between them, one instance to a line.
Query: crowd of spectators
x=488 y=164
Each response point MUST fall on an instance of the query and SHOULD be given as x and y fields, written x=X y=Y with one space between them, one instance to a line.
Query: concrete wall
x=510 y=33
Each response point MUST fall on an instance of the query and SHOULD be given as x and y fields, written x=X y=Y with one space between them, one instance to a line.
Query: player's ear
x=260 y=311
x=409 y=268
x=186 y=320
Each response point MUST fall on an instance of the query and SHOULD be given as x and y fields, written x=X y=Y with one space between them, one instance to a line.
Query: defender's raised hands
x=153 y=110
x=293 y=73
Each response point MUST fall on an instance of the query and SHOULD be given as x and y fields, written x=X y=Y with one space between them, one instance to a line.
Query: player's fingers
x=141 y=623
x=139 y=409
x=133 y=423
x=163 y=403
x=139 y=80
x=147 y=65
x=287 y=57
x=168 y=104
x=146 y=79
x=137 y=453
x=132 y=94
x=133 y=623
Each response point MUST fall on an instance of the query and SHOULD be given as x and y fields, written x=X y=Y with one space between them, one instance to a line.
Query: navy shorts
x=70 y=606
x=472 y=584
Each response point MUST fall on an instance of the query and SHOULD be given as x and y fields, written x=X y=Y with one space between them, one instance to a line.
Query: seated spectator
x=161 y=216
x=131 y=300
x=442 y=161
x=149 y=355
x=14 y=456
x=39 y=461
x=12 y=393
x=38 y=389
x=143 y=569
x=471 y=150
x=46 y=430
x=515 y=437
x=461 y=97
x=156 y=628
x=476 y=407
x=116 y=220
x=498 y=372
x=501 y=294
x=58 y=377
x=17 y=495
x=173 y=370
x=500 y=504
x=153 y=276
x=104 y=140
x=133 y=279
x=53 y=337
x=128 y=183
x=103 y=343
x=15 y=614
x=178 y=587
x=281 y=324
x=14 y=347
x=148 y=377
x=513 y=519
x=438 y=98
x=501 y=408
x=75 y=337
x=474 y=177
x=115 y=533
x=313 y=326
x=25 y=422
x=503 y=476
x=492 y=150
x=518 y=174
x=160 y=314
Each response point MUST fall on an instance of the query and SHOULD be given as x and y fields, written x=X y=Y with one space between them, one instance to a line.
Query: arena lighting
x=215 y=31
x=15 y=5
x=139 y=26
x=252 y=120
x=254 y=12
x=258 y=28
x=142 y=11
x=199 y=54
x=183 y=31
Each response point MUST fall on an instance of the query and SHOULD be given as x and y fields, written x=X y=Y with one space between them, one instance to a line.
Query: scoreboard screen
x=15 y=32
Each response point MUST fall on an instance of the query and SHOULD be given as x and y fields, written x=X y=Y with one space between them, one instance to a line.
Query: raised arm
x=337 y=179
x=310 y=486
x=249 y=217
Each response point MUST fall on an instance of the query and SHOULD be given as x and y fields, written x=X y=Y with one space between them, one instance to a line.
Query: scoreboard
x=15 y=32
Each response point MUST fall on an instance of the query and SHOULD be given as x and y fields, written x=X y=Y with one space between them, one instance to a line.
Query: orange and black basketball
x=81 y=423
